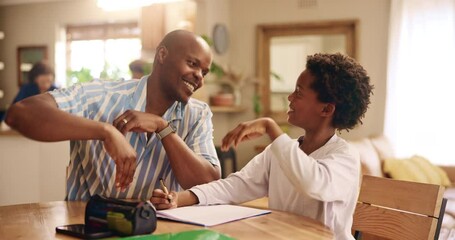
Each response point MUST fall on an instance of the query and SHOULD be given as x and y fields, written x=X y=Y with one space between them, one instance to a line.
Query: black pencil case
x=123 y=217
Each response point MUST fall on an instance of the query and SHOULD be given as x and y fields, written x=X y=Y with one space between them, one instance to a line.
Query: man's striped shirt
x=92 y=171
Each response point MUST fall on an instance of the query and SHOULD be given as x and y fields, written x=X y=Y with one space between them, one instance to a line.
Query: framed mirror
x=26 y=57
x=281 y=57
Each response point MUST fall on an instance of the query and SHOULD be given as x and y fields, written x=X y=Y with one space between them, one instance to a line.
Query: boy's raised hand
x=162 y=200
x=250 y=130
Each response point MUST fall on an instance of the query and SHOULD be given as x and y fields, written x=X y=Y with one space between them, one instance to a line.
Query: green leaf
x=83 y=75
x=276 y=76
x=217 y=70
x=207 y=39
x=257 y=104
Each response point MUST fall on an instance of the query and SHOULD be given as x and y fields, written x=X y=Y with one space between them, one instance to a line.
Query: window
x=419 y=111
x=101 y=51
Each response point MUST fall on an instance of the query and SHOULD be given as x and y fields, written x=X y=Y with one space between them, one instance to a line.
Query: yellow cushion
x=445 y=180
x=416 y=169
x=403 y=169
x=434 y=173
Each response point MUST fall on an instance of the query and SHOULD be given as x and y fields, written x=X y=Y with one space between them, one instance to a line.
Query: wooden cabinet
x=31 y=171
x=152 y=26
x=158 y=19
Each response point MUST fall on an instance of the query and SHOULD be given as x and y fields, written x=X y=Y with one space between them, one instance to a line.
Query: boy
x=316 y=176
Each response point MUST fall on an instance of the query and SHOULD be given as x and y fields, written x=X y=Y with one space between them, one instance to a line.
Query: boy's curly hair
x=342 y=81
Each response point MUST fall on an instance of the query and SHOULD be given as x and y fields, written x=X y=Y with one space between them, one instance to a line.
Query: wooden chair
x=394 y=209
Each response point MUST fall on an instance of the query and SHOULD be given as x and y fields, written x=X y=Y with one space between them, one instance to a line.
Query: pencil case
x=121 y=216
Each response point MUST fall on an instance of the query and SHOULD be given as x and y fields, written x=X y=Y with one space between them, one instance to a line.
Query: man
x=171 y=134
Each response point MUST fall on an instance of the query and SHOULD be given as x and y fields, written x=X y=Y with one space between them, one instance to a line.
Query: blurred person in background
x=40 y=80
x=138 y=68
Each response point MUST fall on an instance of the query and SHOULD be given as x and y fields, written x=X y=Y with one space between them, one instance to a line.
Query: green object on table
x=117 y=221
x=203 y=234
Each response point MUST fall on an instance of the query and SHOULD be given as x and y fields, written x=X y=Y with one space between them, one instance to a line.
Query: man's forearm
x=39 y=118
x=189 y=169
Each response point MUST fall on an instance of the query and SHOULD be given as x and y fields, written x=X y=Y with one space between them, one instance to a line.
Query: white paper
x=210 y=215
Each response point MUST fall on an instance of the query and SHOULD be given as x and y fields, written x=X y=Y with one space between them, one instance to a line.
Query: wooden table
x=38 y=221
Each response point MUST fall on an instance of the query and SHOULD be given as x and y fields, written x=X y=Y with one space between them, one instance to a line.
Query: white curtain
x=420 y=111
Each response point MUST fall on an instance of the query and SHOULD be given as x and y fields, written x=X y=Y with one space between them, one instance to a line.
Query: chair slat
x=393 y=224
x=415 y=197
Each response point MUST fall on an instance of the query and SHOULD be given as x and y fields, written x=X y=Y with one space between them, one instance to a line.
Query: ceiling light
x=116 y=5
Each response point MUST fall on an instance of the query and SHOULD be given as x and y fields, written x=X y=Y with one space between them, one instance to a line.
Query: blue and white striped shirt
x=92 y=171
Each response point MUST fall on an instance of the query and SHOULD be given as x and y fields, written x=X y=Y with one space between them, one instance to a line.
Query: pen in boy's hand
x=164 y=188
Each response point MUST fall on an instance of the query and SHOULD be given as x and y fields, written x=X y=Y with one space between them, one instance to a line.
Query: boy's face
x=304 y=107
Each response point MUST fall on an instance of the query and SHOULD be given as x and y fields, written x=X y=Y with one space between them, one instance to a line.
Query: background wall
x=39 y=24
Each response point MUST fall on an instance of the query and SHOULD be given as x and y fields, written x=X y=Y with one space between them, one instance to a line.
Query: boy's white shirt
x=323 y=185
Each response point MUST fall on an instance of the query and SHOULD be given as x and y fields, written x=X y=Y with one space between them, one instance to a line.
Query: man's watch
x=166 y=131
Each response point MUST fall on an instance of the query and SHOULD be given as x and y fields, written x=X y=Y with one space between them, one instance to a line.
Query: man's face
x=304 y=107
x=184 y=69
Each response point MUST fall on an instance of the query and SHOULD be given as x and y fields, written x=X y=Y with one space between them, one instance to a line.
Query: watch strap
x=166 y=131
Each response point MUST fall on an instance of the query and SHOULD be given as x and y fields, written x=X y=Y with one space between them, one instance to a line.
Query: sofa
x=378 y=159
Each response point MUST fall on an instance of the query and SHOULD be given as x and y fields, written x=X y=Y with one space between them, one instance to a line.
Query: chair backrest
x=394 y=209
x=223 y=157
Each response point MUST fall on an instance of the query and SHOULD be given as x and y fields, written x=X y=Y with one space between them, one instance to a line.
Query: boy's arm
x=187 y=198
x=249 y=183
x=250 y=130
x=161 y=200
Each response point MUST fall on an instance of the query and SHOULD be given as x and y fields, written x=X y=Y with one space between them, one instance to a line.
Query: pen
x=164 y=188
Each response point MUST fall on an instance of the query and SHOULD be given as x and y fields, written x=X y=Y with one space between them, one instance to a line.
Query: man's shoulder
x=197 y=105
x=96 y=87
x=122 y=87
x=118 y=83
x=94 y=83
